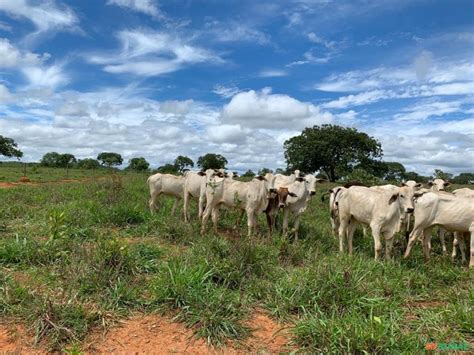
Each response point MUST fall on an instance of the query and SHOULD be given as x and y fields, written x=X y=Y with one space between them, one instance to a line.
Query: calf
x=455 y=214
x=165 y=184
x=252 y=197
x=381 y=210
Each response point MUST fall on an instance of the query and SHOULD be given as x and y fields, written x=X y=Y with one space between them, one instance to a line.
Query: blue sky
x=159 y=78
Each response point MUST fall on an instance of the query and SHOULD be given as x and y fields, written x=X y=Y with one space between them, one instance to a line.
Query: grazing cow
x=165 y=184
x=460 y=238
x=438 y=185
x=195 y=186
x=455 y=214
x=252 y=197
x=380 y=209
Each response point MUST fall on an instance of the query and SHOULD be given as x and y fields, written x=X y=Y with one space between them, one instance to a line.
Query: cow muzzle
x=312 y=193
x=281 y=205
x=409 y=210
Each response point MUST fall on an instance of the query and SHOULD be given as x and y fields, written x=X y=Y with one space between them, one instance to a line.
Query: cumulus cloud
x=272 y=111
x=151 y=53
x=46 y=76
x=11 y=57
x=269 y=73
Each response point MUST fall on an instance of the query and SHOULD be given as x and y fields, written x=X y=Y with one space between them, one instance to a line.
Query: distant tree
x=66 y=160
x=363 y=176
x=463 y=178
x=168 y=169
x=51 y=159
x=374 y=167
x=182 y=162
x=138 y=164
x=280 y=171
x=439 y=174
x=395 y=171
x=8 y=148
x=411 y=175
x=330 y=148
x=264 y=171
x=88 y=163
x=212 y=161
x=248 y=173
x=110 y=159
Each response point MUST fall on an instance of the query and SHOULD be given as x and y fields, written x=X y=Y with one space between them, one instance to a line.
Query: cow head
x=282 y=194
x=405 y=196
x=439 y=184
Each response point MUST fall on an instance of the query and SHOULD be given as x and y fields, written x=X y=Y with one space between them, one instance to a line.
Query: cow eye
x=402 y=196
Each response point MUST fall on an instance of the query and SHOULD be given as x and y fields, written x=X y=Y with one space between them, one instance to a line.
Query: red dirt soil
x=156 y=334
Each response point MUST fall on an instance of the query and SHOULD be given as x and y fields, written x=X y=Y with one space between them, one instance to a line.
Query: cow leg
x=270 y=222
x=462 y=245
x=201 y=206
x=411 y=241
x=350 y=235
x=215 y=218
x=343 y=229
x=426 y=243
x=455 y=245
x=364 y=230
x=205 y=217
x=471 y=258
x=389 y=239
x=185 y=207
x=251 y=222
x=285 y=221
x=175 y=204
x=442 y=237
x=297 y=225
x=238 y=222
x=377 y=243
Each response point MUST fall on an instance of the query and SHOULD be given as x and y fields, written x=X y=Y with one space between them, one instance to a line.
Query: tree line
x=334 y=152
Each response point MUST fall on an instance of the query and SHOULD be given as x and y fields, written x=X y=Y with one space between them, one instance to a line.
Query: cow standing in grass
x=165 y=184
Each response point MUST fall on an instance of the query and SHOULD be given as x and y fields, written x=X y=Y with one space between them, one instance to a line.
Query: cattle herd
x=386 y=209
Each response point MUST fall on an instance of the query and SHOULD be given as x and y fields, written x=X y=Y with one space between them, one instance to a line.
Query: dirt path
x=156 y=334
x=9 y=185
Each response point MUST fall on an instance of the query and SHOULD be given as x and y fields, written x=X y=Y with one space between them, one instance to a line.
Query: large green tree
x=463 y=178
x=50 y=159
x=88 y=163
x=110 y=159
x=138 y=164
x=330 y=148
x=212 y=161
x=440 y=174
x=182 y=162
x=9 y=148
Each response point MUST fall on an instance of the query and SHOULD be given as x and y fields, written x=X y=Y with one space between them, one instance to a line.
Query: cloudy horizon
x=160 y=79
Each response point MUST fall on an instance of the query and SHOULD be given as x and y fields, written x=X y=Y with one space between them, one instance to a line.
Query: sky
x=162 y=78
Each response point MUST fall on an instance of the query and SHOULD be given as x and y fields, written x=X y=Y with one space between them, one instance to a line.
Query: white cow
x=165 y=184
x=285 y=180
x=251 y=196
x=455 y=214
x=195 y=186
x=438 y=185
x=334 y=196
x=460 y=238
x=379 y=209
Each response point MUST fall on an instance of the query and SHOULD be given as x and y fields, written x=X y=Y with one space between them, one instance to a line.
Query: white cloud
x=271 y=111
x=364 y=98
x=314 y=38
x=424 y=110
x=46 y=16
x=423 y=63
x=11 y=57
x=152 y=53
x=176 y=107
x=234 y=31
x=46 y=77
x=269 y=73
x=225 y=92
x=5 y=95
x=148 y=7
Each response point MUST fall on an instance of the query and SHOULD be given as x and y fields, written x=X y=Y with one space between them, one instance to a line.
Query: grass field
x=74 y=258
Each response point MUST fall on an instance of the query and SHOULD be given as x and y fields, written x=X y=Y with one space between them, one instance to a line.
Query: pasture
x=77 y=258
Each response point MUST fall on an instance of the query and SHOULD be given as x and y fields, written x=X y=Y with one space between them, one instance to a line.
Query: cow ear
x=299 y=179
x=260 y=177
x=419 y=185
x=331 y=191
x=201 y=173
x=393 y=198
x=403 y=184
x=431 y=183
x=292 y=194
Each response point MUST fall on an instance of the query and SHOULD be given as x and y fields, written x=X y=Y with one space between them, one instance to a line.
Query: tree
x=51 y=159
x=8 y=148
x=248 y=173
x=88 y=163
x=363 y=176
x=168 y=169
x=110 y=159
x=330 y=148
x=411 y=175
x=463 y=178
x=138 y=164
x=212 y=161
x=264 y=171
x=66 y=160
x=440 y=174
x=181 y=162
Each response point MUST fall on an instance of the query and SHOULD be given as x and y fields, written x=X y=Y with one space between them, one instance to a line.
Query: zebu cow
x=165 y=184
x=438 y=185
x=334 y=196
x=455 y=214
x=195 y=186
x=379 y=209
x=252 y=197
x=460 y=238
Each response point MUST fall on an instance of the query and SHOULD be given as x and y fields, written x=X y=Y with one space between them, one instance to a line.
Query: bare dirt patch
x=13 y=340
x=146 y=334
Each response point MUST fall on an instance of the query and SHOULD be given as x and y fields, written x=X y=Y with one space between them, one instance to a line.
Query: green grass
x=77 y=257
